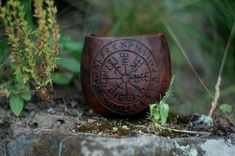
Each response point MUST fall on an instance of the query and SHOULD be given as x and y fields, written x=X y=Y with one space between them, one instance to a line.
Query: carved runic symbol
x=127 y=75
x=124 y=74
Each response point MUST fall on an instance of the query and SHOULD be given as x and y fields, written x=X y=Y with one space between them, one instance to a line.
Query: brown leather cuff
x=121 y=76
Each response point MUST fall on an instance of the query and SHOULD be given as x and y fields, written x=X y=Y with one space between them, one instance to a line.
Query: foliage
x=69 y=46
x=227 y=112
x=33 y=51
x=16 y=104
x=69 y=62
x=226 y=108
x=62 y=78
x=159 y=111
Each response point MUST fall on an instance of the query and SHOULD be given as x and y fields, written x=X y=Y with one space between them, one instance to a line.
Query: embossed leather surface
x=121 y=76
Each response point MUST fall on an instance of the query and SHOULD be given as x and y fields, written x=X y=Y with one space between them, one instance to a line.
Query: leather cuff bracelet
x=121 y=76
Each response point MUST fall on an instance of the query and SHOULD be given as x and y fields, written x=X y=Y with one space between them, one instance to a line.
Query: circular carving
x=124 y=76
x=130 y=76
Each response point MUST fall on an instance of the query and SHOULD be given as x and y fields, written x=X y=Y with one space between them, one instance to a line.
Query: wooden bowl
x=121 y=76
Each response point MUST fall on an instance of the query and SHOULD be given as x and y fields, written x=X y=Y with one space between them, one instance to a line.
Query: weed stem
x=186 y=58
x=217 y=86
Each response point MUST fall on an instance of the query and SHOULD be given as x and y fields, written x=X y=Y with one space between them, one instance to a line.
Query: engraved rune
x=126 y=97
x=138 y=62
x=139 y=90
x=103 y=79
x=140 y=77
x=115 y=91
x=124 y=58
x=112 y=64
x=119 y=87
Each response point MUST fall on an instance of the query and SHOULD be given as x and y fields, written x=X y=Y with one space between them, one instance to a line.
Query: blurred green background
x=201 y=26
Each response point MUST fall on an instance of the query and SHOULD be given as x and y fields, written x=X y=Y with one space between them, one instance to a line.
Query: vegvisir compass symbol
x=124 y=74
x=125 y=77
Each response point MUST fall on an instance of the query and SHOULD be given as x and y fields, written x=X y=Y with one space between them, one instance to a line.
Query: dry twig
x=185 y=131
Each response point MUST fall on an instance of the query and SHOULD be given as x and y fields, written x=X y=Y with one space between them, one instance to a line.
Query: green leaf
x=70 y=64
x=22 y=87
x=27 y=94
x=62 y=78
x=226 y=108
x=75 y=47
x=28 y=10
x=164 y=110
x=71 y=46
x=19 y=78
x=154 y=112
x=16 y=104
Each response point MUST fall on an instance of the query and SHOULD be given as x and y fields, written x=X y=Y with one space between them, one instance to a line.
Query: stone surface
x=61 y=144
x=2 y=152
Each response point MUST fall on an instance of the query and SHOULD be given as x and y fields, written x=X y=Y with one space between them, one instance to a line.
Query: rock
x=29 y=107
x=2 y=152
x=115 y=129
x=5 y=130
x=187 y=150
x=56 y=143
x=22 y=146
x=91 y=120
x=204 y=121
x=125 y=127
x=218 y=147
x=51 y=110
x=44 y=120
x=232 y=136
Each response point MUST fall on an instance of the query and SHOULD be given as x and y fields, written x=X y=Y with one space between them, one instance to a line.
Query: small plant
x=159 y=110
x=227 y=111
x=226 y=108
x=34 y=51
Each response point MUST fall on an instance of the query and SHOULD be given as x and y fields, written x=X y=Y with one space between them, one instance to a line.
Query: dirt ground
x=69 y=113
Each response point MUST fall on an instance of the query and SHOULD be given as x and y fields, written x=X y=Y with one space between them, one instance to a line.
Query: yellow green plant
x=34 y=49
x=159 y=110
